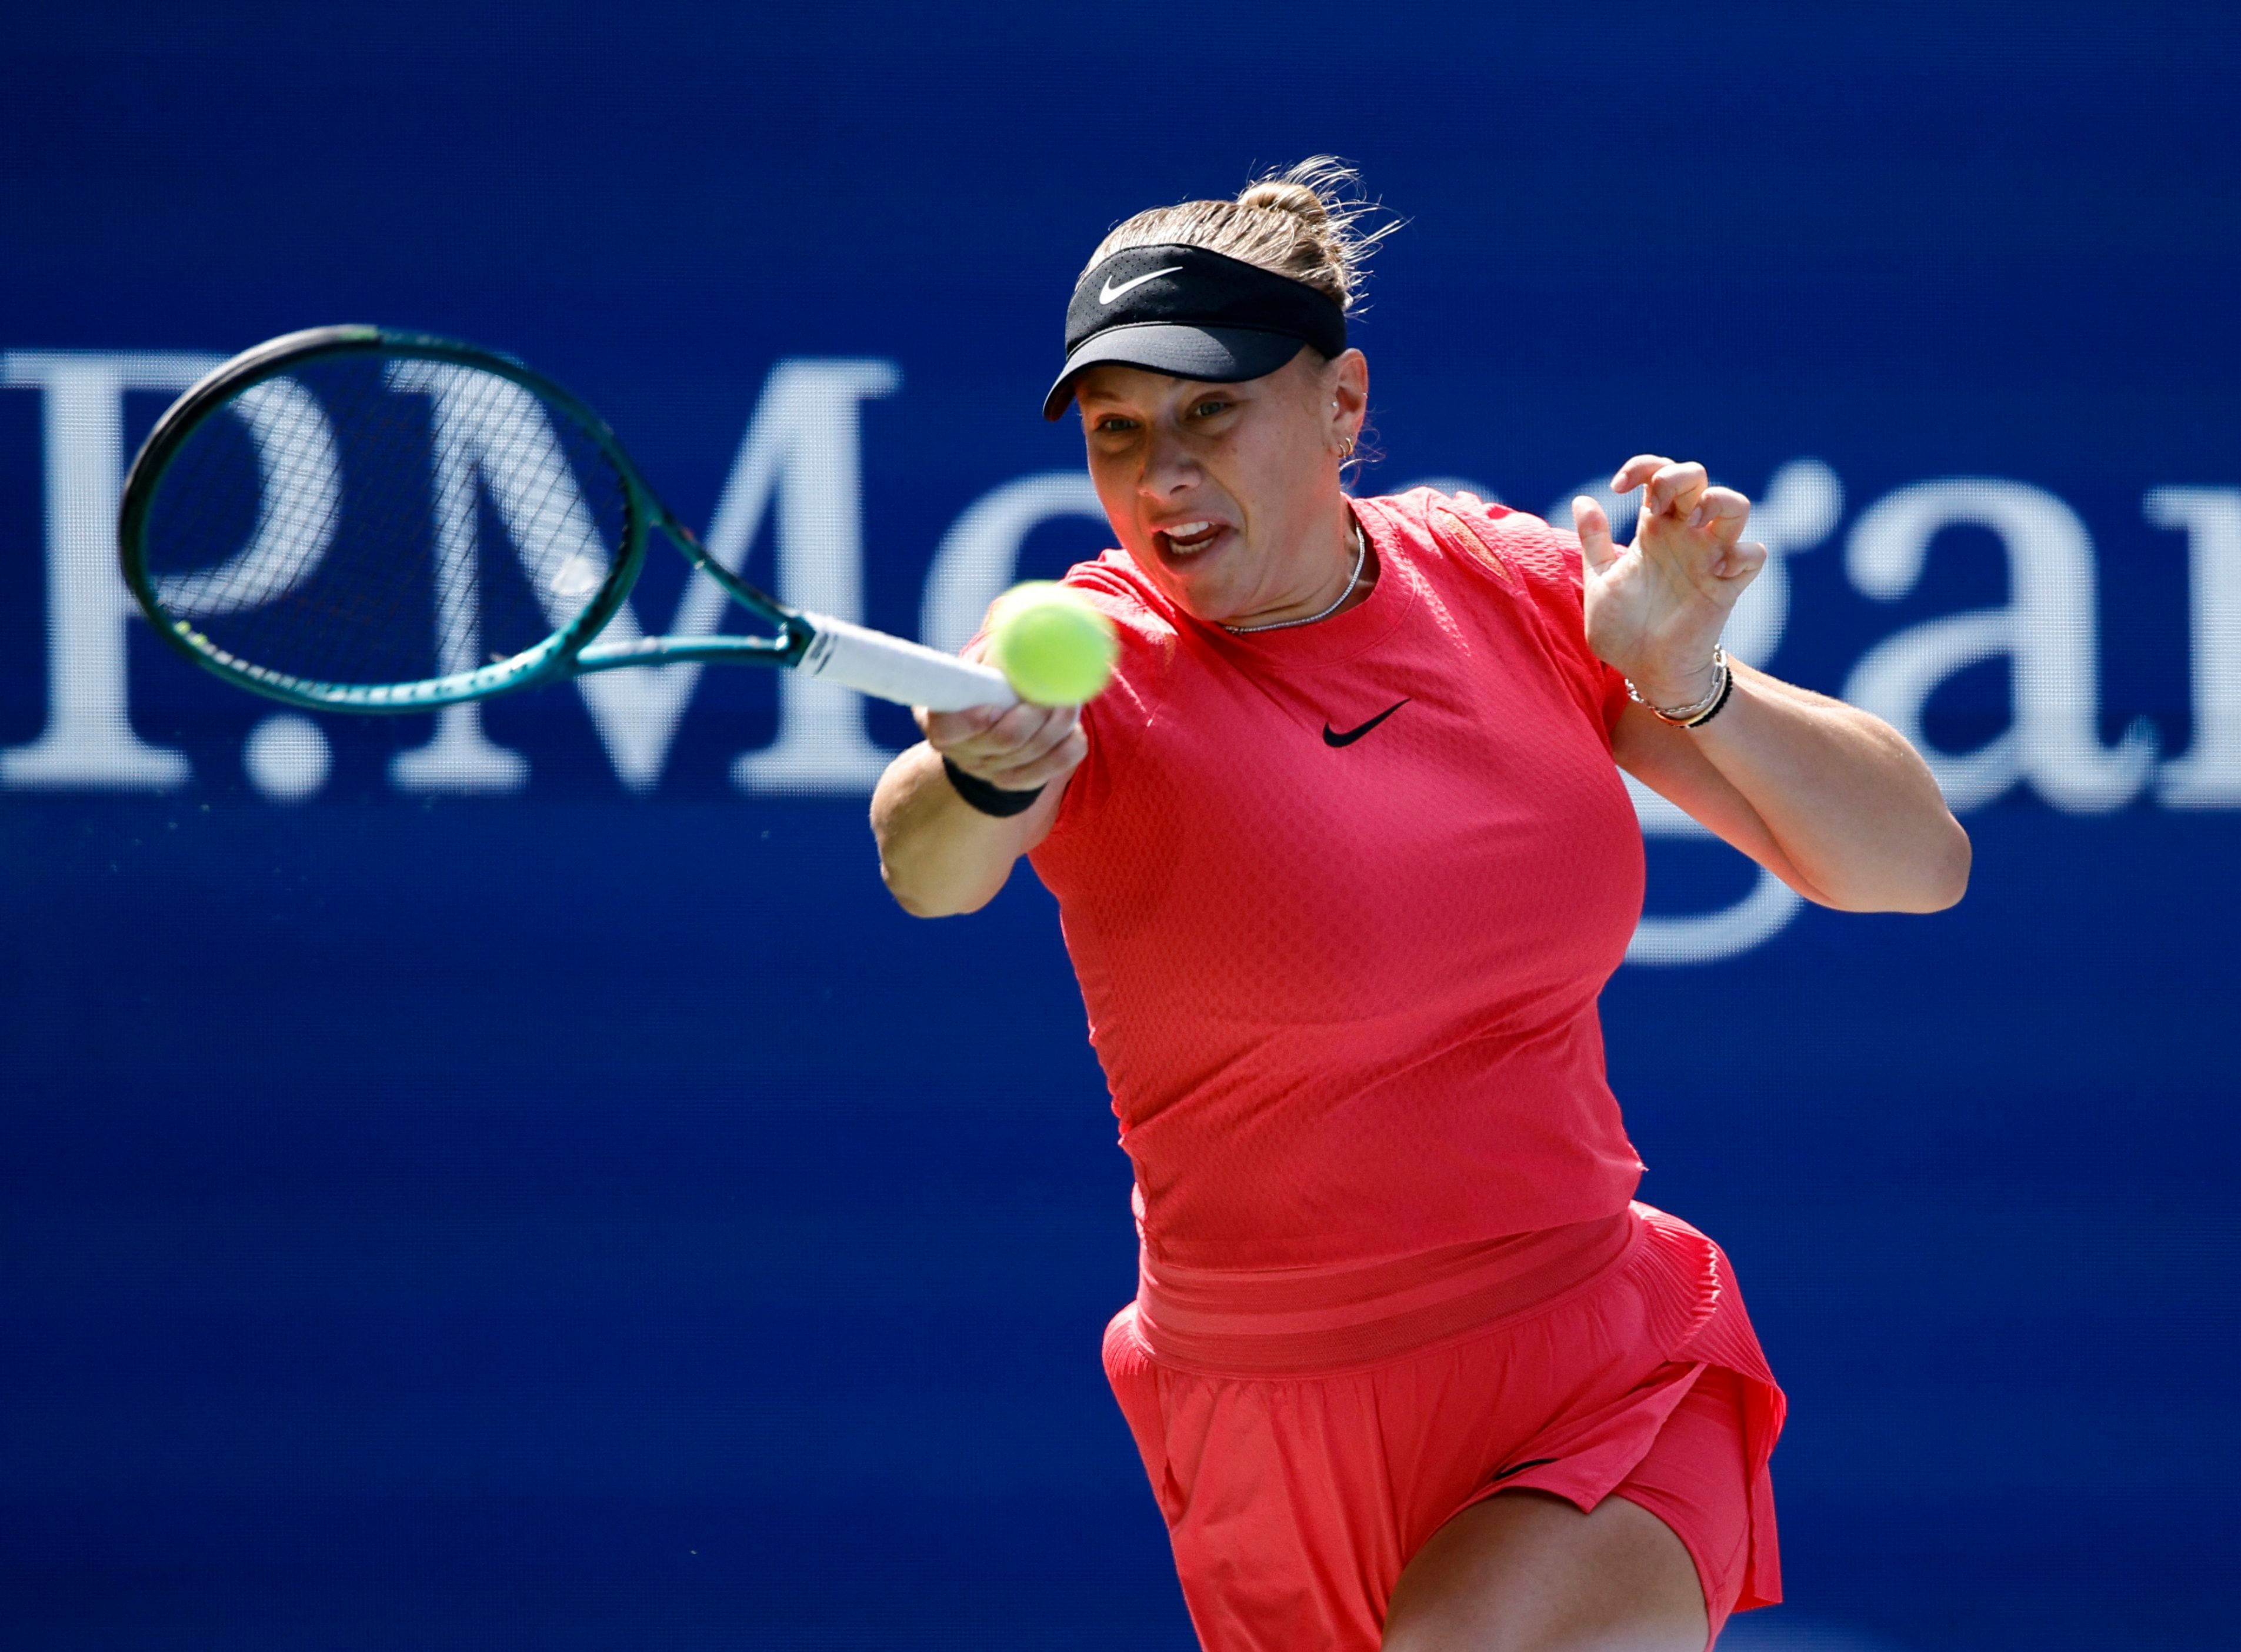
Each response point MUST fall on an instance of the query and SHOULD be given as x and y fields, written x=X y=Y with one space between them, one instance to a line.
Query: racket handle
x=871 y=662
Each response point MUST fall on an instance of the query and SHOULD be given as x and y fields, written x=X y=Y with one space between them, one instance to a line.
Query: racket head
x=355 y=519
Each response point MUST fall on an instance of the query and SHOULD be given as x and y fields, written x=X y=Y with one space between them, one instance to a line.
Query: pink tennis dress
x=1342 y=899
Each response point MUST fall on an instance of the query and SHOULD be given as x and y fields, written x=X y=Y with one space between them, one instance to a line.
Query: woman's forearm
x=1830 y=798
x=1827 y=797
x=939 y=854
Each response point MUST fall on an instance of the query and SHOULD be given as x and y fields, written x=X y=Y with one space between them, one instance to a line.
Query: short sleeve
x=1118 y=721
x=1543 y=565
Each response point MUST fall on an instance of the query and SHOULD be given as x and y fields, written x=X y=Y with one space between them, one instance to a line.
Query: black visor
x=1191 y=313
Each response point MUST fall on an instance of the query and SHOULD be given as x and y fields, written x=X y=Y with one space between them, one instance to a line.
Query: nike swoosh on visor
x=1109 y=293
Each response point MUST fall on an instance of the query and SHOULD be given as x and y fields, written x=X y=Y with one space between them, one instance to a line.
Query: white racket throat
x=908 y=673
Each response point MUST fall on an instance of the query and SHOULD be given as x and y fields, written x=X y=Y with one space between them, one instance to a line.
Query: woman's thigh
x=1526 y=1572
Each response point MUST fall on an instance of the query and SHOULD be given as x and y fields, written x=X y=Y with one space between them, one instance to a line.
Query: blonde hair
x=1303 y=221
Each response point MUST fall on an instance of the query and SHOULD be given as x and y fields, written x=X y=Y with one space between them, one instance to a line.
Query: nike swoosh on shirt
x=1331 y=737
x=1109 y=293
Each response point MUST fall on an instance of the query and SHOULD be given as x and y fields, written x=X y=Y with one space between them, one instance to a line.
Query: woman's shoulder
x=1492 y=557
x=1150 y=630
x=1523 y=552
x=1118 y=722
x=1119 y=589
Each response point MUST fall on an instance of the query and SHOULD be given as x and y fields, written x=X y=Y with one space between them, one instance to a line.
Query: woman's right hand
x=1017 y=747
x=940 y=855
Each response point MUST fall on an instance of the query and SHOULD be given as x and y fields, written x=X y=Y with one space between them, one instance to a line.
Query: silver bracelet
x=1704 y=710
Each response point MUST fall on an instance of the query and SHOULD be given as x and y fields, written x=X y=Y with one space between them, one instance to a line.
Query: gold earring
x=1346 y=448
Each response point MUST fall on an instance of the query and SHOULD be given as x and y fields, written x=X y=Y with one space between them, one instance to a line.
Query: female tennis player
x=1343 y=860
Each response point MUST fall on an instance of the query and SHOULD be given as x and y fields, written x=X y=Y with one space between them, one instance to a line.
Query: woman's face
x=1224 y=493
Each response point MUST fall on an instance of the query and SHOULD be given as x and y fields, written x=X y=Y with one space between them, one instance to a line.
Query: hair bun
x=1303 y=223
x=1281 y=195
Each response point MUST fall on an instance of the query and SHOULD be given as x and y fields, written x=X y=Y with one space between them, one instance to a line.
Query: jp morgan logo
x=798 y=467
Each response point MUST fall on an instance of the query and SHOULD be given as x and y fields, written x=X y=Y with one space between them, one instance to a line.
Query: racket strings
x=365 y=520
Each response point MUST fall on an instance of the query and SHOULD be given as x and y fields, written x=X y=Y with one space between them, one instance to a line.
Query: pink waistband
x=1266 y=1321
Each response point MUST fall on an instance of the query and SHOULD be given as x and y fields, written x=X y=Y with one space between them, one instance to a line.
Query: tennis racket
x=351 y=519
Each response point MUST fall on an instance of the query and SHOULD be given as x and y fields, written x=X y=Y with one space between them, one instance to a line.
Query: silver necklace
x=1360 y=556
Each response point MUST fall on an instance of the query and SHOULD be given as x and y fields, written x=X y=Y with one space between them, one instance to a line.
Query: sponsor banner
x=795 y=484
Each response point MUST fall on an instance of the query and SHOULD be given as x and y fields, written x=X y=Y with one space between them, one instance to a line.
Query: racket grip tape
x=871 y=662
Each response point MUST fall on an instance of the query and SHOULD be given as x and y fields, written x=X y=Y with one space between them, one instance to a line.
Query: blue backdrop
x=541 y=1194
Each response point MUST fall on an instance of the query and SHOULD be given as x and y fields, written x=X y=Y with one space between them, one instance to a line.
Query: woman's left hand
x=1655 y=610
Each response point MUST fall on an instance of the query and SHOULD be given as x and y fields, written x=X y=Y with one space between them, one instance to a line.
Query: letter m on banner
x=800 y=457
x=802 y=452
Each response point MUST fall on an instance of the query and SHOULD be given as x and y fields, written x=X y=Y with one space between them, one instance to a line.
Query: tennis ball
x=1054 y=646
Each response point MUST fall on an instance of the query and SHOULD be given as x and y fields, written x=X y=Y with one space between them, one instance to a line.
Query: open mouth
x=1188 y=539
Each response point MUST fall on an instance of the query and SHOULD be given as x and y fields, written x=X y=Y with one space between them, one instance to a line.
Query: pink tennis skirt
x=1306 y=1432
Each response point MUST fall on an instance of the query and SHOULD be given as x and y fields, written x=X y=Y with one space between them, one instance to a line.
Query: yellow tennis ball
x=1056 y=648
